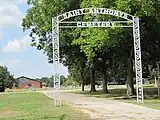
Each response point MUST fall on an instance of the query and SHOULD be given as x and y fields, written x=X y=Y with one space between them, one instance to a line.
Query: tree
x=6 y=79
x=43 y=10
x=149 y=21
x=47 y=80
x=95 y=42
x=62 y=79
x=82 y=45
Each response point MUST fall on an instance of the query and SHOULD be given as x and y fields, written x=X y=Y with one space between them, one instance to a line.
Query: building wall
x=36 y=83
x=23 y=85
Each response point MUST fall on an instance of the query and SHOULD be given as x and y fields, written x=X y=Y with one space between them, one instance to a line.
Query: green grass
x=149 y=85
x=150 y=96
x=150 y=103
x=35 y=106
x=113 y=93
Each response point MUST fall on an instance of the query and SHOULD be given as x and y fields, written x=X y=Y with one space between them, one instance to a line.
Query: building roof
x=25 y=80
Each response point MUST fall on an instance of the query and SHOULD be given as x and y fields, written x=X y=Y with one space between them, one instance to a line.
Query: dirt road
x=103 y=109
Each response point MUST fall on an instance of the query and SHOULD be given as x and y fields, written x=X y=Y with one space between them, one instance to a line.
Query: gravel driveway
x=103 y=109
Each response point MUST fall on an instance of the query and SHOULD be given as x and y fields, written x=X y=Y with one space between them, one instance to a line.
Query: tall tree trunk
x=158 y=71
x=130 y=82
x=82 y=71
x=82 y=75
x=93 y=89
x=2 y=88
x=105 y=89
x=155 y=80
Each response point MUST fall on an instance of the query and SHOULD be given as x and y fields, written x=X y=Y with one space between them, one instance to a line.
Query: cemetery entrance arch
x=130 y=21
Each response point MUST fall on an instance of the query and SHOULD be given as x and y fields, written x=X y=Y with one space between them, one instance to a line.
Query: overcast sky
x=15 y=50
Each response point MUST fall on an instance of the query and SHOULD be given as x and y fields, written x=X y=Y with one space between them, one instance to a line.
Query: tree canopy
x=6 y=79
x=108 y=51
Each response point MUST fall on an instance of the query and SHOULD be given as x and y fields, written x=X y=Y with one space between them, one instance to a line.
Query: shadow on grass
x=151 y=99
x=100 y=94
x=65 y=117
x=62 y=117
x=120 y=93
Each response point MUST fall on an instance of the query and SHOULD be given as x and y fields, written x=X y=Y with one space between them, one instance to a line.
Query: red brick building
x=24 y=82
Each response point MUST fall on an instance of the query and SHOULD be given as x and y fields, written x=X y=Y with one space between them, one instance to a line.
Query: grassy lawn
x=35 y=106
x=150 y=98
x=113 y=93
x=151 y=103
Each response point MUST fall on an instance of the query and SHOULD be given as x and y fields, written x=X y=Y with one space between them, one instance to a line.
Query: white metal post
x=138 y=62
x=56 y=81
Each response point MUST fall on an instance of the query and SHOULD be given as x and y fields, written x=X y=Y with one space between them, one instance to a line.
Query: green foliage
x=39 y=18
x=6 y=79
x=49 y=80
x=69 y=82
x=112 y=45
x=62 y=79
x=91 y=40
x=152 y=81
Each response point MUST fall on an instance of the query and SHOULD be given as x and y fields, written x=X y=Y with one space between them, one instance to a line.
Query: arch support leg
x=138 y=61
x=56 y=76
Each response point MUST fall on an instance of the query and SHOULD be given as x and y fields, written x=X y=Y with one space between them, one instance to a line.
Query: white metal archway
x=130 y=21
